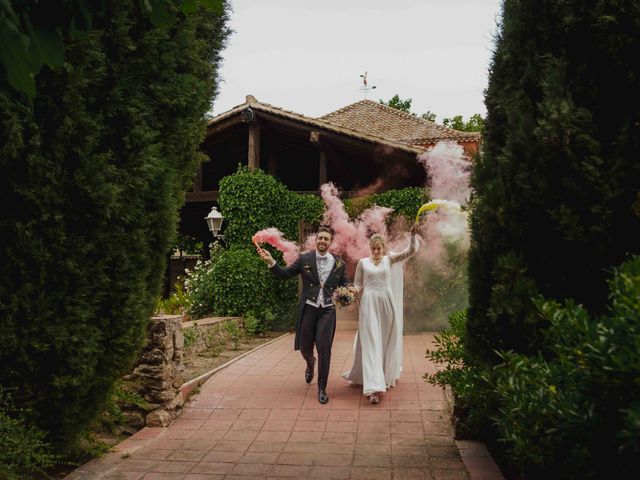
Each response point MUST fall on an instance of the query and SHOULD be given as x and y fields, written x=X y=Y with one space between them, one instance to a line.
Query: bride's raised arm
x=413 y=247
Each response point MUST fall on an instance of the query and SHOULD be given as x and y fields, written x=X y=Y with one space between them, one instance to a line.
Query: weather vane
x=365 y=88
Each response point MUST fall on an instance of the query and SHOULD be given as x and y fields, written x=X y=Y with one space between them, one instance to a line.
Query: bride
x=378 y=343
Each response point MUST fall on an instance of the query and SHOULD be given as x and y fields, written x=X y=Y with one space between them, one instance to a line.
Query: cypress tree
x=93 y=175
x=557 y=189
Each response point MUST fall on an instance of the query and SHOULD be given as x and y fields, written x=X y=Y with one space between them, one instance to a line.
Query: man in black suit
x=321 y=273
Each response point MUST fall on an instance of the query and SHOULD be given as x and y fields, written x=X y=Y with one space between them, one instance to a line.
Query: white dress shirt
x=324 y=269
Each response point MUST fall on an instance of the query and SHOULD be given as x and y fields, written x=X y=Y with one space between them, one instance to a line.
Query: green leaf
x=189 y=6
x=216 y=5
x=13 y=54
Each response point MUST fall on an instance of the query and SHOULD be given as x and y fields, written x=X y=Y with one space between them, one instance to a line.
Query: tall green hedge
x=404 y=201
x=93 y=175
x=557 y=189
x=252 y=200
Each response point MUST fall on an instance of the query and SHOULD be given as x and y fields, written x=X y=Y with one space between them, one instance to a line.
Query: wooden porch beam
x=206 y=196
x=254 y=146
x=322 y=173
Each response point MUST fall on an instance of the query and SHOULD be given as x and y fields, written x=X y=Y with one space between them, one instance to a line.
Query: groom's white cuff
x=271 y=265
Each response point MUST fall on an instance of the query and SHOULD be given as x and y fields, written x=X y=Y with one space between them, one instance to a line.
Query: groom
x=321 y=273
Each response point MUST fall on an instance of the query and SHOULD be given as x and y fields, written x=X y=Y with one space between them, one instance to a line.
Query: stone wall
x=158 y=373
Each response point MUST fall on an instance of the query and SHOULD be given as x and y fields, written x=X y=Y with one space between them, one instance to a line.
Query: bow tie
x=322 y=260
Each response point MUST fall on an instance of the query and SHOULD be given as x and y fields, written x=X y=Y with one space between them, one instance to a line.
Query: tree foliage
x=399 y=104
x=95 y=170
x=32 y=36
x=474 y=124
x=557 y=188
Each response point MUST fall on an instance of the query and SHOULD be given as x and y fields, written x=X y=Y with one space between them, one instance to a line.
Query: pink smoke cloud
x=350 y=237
x=448 y=170
x=275 y=238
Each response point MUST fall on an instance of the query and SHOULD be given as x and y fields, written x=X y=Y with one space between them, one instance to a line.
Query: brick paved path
x=259 y=419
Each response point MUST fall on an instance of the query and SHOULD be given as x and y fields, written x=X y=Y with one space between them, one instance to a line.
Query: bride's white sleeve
x=357 y=279
x=413 y=247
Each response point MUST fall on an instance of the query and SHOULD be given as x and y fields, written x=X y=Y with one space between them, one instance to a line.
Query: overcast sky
x=307 y=56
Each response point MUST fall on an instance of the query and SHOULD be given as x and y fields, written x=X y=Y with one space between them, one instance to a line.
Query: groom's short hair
x=325 y=229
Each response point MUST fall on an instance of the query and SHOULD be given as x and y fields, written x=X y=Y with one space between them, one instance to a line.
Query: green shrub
x=543 y=418
x=234 y=333
x=469 y=382
x=191 y=335
x=199 y=284
x=253 y=200
x=175 y=304
x=242 y=284
x=24 y=452
x=573 y=412
x=95 y=170
x=255 y=325
x=405 y=202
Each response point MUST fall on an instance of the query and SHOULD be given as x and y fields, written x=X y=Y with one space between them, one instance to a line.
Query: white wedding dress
x=378 y=344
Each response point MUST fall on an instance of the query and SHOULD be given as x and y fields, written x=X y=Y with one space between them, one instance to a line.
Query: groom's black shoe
x=308 y=373
x=322 y=396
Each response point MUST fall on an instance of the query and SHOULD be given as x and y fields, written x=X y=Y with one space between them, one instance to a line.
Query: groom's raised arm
x=287 y=272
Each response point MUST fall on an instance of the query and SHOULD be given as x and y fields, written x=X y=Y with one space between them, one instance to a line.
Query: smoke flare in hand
x=275 y=238
x=435 y=205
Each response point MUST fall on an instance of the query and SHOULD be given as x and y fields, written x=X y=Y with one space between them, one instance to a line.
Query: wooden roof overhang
x=341 y=149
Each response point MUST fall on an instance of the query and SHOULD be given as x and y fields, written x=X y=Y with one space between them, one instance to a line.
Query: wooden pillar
x=322 y=173
x=254 y=146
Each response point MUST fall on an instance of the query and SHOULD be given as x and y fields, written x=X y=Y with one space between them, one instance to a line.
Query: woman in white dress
x=378 y=343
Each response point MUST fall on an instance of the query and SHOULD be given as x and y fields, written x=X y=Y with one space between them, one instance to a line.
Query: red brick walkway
x=259 y=419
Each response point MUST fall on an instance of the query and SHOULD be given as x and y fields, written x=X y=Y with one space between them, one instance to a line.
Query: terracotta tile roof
x=376 y=119
x=314 y=122
x=365 y=120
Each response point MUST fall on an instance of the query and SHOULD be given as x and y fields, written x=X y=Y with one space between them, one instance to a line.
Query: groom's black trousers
x=318 y=325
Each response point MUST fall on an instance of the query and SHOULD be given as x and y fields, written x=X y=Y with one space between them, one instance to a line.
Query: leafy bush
x=199 y=284
x=242 y=284
x=570 y=411
x=96 y=168
x=543 y=417
x=574 y=412
x=24 y=452
x=469 y=382
x=405 y=201
x=253 y=200
x=258 y=324
x=175 y=304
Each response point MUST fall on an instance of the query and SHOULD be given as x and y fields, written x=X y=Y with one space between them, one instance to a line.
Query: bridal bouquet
x=344 y=296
